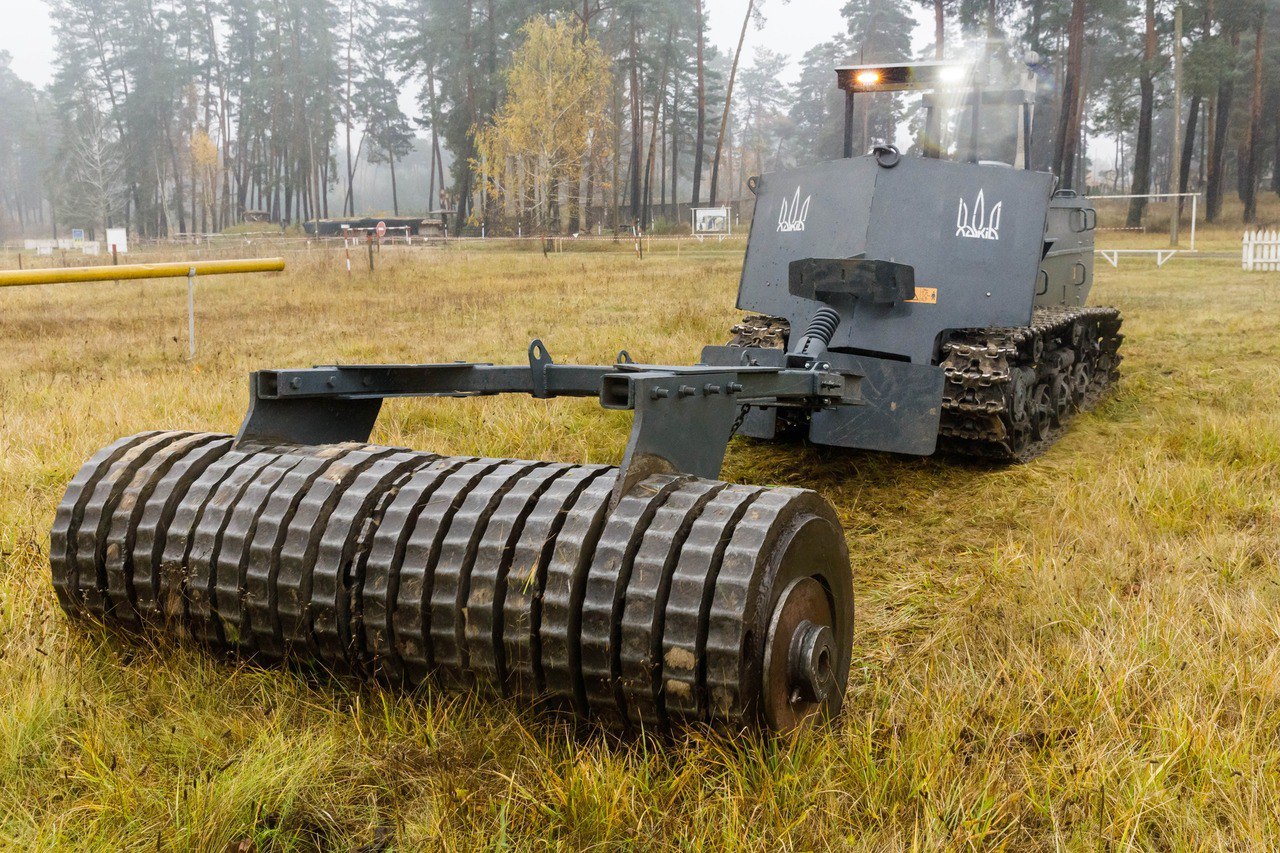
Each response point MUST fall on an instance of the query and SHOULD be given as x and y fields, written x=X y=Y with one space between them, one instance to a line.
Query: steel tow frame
x=684 y=415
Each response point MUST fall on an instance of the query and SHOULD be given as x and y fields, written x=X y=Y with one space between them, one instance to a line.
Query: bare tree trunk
x=437 y=161
x=1275 y=149
x=349 y=203
x=700 y=134
x=395 y=195
x=464 y=190
x=658 y=98
x=939 y=27
x=1142 y=151
x=675 y=149
x=617 y=155
x=933 y=121
x=1218 y=143
x=637 y=130
x=728 y=101
x=1068 y=128
x=1188 y=148
x=1254 y=164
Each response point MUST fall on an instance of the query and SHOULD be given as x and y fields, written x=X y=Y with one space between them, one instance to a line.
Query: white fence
x=1261 y=251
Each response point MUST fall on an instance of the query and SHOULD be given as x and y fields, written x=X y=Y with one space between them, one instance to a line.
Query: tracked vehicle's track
x=1010 y=392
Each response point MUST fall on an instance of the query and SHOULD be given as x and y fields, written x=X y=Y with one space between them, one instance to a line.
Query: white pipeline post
x=191 y=314
x=1195 y=203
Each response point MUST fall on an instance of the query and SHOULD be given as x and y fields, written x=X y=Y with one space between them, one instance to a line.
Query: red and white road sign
x=381 y=230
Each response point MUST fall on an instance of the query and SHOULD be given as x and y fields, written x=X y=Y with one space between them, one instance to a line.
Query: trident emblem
x=793 y=214
x=978 y=224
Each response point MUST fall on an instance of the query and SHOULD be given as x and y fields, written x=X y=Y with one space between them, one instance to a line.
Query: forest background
x=182 y=116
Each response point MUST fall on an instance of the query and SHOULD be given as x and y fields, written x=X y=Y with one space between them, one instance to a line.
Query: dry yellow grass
x=1083 y=652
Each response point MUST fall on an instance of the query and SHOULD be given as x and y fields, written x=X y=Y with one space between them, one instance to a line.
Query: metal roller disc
x=412 y=613
x=231 y=561
x=301 y=545
x=206 y=539
x=521 y=604
x=66 y=523
x=807 y=624
x=790 y=529
x=684 y=632
x=332 y=575
x=262 y=627
x=489 y=573
x=122 y=529
x=562 y=596
x=382 y=568
x=606 y=587
x=452 y=577
x=644 y=611
x=158 y=519
x=90 y=545
x=171 y=574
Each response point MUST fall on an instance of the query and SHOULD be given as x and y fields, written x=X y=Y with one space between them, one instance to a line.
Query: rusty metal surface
x=296 y=574
x=230 y=561
x=518 y=576
x=200 y=564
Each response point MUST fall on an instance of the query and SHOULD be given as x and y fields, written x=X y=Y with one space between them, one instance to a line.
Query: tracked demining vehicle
x=933 y=300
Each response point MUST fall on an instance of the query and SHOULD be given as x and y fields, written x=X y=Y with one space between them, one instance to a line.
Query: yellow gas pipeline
x=125 y=272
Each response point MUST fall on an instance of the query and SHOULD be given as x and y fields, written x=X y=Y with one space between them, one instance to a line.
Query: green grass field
x=1082 y=652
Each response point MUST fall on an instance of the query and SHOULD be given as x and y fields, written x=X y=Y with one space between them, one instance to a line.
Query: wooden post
x=369 y=238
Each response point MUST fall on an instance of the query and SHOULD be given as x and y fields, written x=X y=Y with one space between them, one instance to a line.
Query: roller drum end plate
x=809 y=637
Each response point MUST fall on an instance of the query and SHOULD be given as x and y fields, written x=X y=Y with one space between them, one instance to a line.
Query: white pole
x=1195 y=199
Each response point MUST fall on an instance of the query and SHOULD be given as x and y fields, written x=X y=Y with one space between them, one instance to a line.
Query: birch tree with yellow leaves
x=541 y=157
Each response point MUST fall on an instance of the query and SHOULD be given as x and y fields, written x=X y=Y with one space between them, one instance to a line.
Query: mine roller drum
x=681 y=601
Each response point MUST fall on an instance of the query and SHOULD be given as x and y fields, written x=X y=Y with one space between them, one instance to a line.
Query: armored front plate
x=904 y=405
x=973 y=233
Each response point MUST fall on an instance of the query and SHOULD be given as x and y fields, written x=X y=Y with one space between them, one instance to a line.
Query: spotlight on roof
x=901 y=77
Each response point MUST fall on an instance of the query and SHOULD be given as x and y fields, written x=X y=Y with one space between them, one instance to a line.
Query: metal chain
x=742 y=416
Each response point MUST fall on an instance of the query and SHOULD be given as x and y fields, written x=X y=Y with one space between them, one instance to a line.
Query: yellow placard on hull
x=925 y=296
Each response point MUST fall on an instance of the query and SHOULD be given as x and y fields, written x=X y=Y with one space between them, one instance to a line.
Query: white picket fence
x=1261 y=250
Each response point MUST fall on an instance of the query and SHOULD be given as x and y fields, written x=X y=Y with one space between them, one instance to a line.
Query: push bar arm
x=683 y=414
